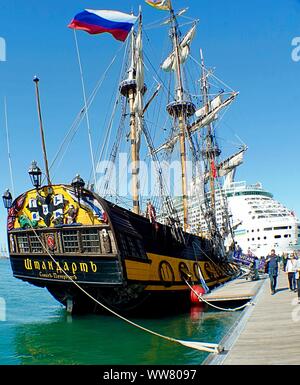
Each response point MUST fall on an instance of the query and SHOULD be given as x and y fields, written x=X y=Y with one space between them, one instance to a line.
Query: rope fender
x=201 y=299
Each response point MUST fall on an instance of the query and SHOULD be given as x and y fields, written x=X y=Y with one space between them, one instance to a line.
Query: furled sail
x=204 y=118
x=232 y=162
x=184 y=50
x=229 y=164
x=169 y=145
x=208 y=113
x=215 y=103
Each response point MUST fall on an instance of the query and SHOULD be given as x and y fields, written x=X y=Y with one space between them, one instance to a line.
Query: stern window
x=71 y=241
x=23 y=244
x=35 y=244
x=90 y=241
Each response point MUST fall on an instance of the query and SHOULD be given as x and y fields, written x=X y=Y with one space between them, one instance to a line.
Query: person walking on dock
x=290 y=269
x=256 y=267
x=273 y=267
x=284 y=259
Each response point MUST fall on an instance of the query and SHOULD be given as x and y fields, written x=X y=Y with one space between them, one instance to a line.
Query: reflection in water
x=196 y=312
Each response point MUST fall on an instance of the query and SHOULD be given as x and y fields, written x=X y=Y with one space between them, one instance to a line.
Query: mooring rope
x=203 y=346
x=200 y=298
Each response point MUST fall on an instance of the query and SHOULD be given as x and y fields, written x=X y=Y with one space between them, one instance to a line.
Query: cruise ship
x=260 y=223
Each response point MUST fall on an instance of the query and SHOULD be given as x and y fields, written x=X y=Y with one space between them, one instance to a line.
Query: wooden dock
x=267 y=333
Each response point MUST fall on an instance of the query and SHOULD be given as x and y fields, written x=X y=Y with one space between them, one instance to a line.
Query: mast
x=133 y=141
x=210 y=151
x=130 y=88
x=36 y=81
x=180 y=109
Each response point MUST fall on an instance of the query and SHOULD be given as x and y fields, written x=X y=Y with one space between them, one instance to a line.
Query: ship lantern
x=35 y=174
x=7 y=199
x=78 y=185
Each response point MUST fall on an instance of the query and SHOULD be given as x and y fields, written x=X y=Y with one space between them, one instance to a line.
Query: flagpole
x=8 y=148
x=85 y=107
x=38 y=103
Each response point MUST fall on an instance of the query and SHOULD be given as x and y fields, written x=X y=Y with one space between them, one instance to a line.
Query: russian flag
x=94 y=21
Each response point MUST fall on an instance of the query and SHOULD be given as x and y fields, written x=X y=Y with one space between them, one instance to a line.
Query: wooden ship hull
x=120 y=258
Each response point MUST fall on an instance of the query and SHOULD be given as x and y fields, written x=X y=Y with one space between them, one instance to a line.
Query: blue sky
x=249 y=43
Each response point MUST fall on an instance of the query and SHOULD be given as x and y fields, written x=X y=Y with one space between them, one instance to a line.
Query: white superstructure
x=260 y=223
x=265 y=222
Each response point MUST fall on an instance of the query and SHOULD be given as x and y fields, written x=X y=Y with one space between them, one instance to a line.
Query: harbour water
x=35 y=329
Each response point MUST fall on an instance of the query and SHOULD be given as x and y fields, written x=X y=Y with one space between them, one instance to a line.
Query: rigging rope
x=167 y=202
x=114 y=111
x=211 y=74
x=85 y=107
x=75 y=125
x=113 y=155
x=203 y=346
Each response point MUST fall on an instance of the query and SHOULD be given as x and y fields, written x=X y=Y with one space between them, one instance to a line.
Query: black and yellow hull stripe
x=165 y=273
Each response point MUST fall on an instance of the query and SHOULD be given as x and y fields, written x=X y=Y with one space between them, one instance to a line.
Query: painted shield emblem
x=51 y=242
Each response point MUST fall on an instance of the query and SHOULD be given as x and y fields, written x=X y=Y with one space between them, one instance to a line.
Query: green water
x=37 y=330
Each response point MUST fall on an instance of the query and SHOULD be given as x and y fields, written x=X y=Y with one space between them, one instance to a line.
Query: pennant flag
x=94 y=21
x=213 y=169
x=164 y=5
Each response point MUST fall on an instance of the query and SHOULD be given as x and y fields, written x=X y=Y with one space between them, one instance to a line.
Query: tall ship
x=80 y=242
